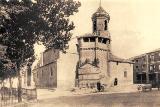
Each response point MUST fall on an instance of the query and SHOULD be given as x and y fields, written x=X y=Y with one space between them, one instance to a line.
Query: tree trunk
x=10 y=83
x=2 y=90
x=19 y=83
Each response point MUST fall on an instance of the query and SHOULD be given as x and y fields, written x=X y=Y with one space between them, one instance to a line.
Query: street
x=135 y=99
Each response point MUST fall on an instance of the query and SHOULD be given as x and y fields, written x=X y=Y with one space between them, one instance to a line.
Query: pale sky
x=134 y=29
x=134 y=24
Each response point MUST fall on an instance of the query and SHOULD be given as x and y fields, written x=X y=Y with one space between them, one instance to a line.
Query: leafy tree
x=55 y=31
x=17 y=37
x=25 y=23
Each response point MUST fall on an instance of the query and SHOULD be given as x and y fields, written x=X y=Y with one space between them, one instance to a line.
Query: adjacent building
x=147 y=67
x=97 y=64
x=45 y=73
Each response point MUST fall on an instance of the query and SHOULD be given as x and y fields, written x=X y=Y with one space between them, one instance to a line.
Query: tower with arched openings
x=96 y=62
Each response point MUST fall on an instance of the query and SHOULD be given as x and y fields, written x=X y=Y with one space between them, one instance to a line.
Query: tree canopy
x=56 y=26
x=23 y=23
x=26 y=23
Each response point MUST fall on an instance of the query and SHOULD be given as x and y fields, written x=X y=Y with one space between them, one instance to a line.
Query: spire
x=100 y=3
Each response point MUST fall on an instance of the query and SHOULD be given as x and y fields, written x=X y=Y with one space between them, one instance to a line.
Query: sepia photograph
x=79 y=53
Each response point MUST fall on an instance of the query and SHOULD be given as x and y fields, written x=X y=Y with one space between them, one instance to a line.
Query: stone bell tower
x=100 y=21
x=94 y=52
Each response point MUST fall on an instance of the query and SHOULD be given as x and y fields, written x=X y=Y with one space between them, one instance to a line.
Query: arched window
x=115 y=81
x=125 y=74
x=95 y=25
x=105 y=23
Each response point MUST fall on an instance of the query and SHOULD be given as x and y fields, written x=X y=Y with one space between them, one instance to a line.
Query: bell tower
x=94 y=51
x=100 y=20
x=100 y=25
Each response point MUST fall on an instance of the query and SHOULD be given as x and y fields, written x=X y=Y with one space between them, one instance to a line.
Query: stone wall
x=122 y=71
x=45 y=75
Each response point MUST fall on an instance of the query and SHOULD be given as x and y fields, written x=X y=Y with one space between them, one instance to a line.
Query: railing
x=10 y=96
x=7 y=97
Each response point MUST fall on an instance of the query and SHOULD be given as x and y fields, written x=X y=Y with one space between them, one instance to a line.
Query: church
x=97 y=63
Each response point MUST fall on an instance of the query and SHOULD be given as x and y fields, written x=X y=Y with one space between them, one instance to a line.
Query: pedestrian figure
x=99 y=86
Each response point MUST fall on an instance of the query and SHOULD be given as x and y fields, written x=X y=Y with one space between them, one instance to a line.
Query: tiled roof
x=87 y=35
x=113 y=58
x=100 y=12
x=102 y=34
x=142 y=55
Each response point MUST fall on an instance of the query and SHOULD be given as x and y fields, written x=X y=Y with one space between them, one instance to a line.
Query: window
x=151 y=67
x=100 y=39
x=143 y=66
x=95 y=25
x=125 y=74
x=159 y=67
x=51 y=72
x=137 y=60
x=144 y=59
x=104 y=41
x=86 y=39
x=42 y=73
x=115 y=81
x=105 y=22
x=136 y=66
x=152 y=57
x=92 y=39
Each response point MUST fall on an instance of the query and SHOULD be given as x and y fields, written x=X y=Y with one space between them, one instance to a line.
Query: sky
x=134 y=29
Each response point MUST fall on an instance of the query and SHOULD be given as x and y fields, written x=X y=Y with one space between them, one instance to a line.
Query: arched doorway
x=115 y=81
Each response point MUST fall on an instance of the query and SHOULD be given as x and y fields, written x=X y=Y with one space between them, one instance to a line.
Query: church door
x=115 y=81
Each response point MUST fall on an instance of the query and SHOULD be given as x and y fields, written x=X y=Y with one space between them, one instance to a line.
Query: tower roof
x=101 y=13
x=113 y=58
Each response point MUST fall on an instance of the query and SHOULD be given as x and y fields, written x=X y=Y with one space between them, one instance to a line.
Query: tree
x=55 y=31
x=18 y=38
x=3 y=75
x=2 y=71
x=46 y=21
